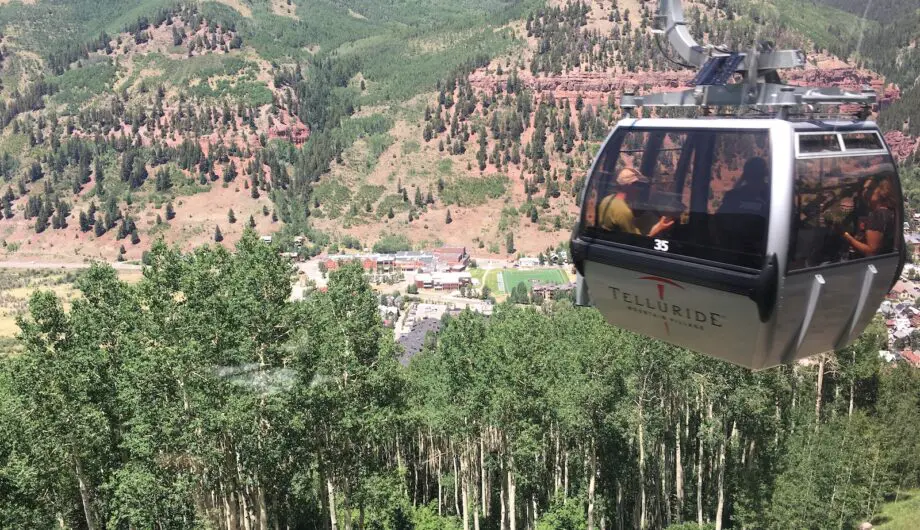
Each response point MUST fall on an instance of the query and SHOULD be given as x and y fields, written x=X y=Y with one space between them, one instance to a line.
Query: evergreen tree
x=41 y=221
x=448 y=219
x=218 y=237
x=230 y=173
x=163 y=180
x=170 y=212
x=231 y=217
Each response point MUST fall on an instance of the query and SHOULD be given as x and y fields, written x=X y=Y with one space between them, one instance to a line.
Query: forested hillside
x=349 y=121
x=202 y=397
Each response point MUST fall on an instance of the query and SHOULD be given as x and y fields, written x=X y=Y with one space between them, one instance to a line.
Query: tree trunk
x=502 y=498
x=565 y=477
x=557 y=468
x=485 y=485
x=233 y=511
x=699 y=482
x=663 y=476
x=465 y=488
x=331 y=489
x=263 y=513
x=244 y=508
x=721 y=479
x=820 y=389
x=592 y=482
x=512 y=496
x=453 y=460
x=678 y=476
x=440 y=487
x=86 y=496
x=852 y=391
x=642 y=514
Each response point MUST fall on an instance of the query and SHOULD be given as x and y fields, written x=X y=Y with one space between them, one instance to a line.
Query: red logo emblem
x=661 y=284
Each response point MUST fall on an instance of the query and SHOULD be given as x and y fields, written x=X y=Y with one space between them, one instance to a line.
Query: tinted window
x=846 y=207
x=704 y=193
x=818 y=143
x=862 y=140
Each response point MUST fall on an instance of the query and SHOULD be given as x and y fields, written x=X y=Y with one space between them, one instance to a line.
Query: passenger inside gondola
x=876 y=232
x=616 y=211
x=846 y=209
x=742 y=218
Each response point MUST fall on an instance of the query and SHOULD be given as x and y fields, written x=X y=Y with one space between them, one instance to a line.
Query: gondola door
x=846 y=241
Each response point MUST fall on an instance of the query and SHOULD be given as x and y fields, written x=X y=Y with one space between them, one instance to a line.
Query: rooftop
x=414 y=341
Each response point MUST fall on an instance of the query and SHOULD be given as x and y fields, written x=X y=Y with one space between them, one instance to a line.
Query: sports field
x=512 y=277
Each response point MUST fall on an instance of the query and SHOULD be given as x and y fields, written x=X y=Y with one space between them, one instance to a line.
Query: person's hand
x=663 y=224
x=849 y=238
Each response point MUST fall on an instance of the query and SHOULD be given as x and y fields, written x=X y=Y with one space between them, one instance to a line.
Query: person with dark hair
x=879 y=233
x=615 y=213
x=742 y=217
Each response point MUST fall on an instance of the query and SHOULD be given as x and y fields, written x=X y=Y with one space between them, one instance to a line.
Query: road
x=32 y=264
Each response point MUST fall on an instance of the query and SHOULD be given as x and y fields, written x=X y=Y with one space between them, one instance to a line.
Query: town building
x=552 y=290
x=528 y=262
x=452 y=258
x=442 y=280
x=408 y=260
x=414 y=341
x=379 y=263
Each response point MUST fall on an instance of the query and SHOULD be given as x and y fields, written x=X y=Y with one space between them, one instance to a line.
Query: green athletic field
x=513 y=277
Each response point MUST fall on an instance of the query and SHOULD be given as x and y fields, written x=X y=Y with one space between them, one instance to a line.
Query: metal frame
x=670 y=22
x=760 y=95
x=761 y=88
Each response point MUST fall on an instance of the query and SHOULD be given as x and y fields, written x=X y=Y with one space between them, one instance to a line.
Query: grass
x=376 y=145
x=474 y=191
x=490 y=279
x=18 y=285
x=514 y=277
x=820 y=23
x=332 y=196
x=901 y=515
x=78 y=85
x=393 y=201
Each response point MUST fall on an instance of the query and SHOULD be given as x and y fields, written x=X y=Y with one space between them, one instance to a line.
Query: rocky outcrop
x=598 y=85
x=902 y=146
x=595 y=87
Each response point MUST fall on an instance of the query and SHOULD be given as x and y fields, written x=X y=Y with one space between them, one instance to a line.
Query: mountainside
x=346 y=121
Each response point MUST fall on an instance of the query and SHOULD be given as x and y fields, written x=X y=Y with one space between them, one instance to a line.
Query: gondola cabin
x=756 y=241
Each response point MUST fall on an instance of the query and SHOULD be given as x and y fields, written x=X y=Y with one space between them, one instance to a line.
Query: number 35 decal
x=661 y=244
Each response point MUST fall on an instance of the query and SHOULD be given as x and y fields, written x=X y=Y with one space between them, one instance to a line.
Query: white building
x=528 y=262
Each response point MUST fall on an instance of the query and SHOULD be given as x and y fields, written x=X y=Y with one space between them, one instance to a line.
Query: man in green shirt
x=615 y=213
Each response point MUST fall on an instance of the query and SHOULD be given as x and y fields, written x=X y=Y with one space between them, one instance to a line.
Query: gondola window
x=846 y=207
x=706 y=192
